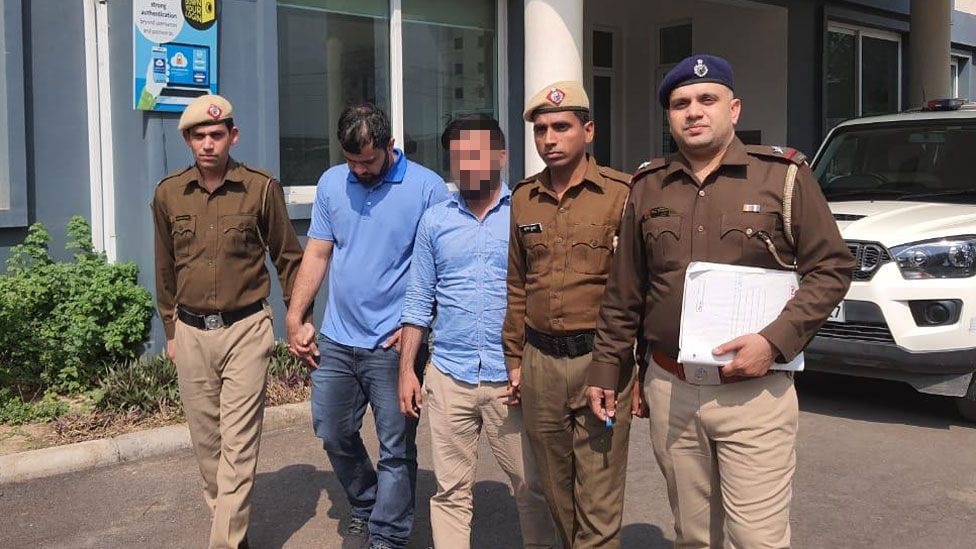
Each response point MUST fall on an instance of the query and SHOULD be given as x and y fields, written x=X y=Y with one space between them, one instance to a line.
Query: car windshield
x=928 y=161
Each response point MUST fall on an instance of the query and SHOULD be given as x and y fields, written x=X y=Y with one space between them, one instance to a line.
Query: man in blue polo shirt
x=459 y=264
x=364 y=221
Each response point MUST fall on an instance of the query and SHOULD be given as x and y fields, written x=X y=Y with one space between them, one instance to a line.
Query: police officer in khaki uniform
x=215 y=221
x=563 y=232
x=727 y=449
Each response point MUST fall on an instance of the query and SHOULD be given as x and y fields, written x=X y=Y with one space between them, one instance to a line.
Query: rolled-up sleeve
x=418 y=304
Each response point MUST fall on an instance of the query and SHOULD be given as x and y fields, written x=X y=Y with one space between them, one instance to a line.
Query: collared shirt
x=672 y=219
x=210 y=247
x=373 y=230
x=459 y=264
x=559 y=254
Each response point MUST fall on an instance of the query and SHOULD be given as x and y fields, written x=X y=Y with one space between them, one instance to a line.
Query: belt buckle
x=213 y=322
x=702 y=375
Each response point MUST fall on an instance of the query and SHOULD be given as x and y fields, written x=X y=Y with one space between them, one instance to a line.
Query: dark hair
x=584 y=116
x=477 y=121
x=361 y=125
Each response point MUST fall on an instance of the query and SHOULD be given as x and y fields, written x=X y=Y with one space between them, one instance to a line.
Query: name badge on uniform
x=181 y=218
x=531 y=228
x=656 y=212
x=755 y=208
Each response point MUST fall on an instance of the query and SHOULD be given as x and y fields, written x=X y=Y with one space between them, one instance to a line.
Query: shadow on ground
x=875 y=400
x=286 y=500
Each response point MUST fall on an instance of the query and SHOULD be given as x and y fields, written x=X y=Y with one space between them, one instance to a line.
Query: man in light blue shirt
x=459 y=264
x=364 y=221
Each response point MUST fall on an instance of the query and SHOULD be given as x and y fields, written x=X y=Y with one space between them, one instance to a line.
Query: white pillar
x=928 y=48
x=553 y=52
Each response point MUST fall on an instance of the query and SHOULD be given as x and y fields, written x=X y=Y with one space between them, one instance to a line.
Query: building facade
x=71 y=143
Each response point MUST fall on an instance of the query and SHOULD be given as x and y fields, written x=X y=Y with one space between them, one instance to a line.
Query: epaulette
x=530 y=179
x=614 y=175
x=174 y=175
x=262 y=173
x=787 y=154
x=648 y=167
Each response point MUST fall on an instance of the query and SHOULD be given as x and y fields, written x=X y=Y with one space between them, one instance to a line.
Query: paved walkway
x=879 y=466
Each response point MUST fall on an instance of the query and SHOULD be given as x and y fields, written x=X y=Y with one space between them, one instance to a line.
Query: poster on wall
x=174 y=53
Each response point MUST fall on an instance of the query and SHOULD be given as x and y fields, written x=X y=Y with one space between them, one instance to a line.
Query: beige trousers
x=222 y=376
x=582 y=463
x=458 y=413
x=728 y=453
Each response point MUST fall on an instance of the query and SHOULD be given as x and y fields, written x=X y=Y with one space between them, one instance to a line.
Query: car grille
x=868 y=258
x=857 y=331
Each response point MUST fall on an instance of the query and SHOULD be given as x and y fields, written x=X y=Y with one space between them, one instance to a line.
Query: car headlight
x=950 y=257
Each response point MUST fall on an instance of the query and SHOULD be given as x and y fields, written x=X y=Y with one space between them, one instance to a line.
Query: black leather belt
x=214 y=321
x=568 y=346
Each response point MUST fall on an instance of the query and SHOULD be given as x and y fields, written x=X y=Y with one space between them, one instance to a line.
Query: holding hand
x=513 y=395
x=753 y=356
x=301 y=343
x=603 y=402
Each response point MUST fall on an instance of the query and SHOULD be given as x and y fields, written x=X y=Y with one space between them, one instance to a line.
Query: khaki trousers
x=458 y=413
x=222 y=377
x=728 y=453
x=582 y=464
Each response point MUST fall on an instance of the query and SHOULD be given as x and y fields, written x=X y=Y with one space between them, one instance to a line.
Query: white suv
x=903 y=191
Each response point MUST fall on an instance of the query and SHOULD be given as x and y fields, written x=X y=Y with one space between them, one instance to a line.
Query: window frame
x=616 y=76
x=15 y=214
x=859 y=33
x=305 y=194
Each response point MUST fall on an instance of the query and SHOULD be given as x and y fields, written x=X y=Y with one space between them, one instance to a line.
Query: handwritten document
x=722 y=302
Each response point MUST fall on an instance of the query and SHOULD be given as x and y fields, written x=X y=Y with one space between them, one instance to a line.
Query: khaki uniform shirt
x=559 y=254
x=210 y=247
x=672 y=219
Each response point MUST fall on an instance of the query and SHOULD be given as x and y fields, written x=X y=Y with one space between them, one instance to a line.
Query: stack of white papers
x=722 y=302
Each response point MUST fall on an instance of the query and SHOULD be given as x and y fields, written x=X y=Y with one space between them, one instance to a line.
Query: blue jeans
x=347 y=379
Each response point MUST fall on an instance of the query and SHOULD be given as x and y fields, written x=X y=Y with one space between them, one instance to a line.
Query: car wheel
x=967 y=408
x=967 y=404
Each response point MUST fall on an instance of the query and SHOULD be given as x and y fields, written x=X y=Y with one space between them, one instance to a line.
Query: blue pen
x=609 y=422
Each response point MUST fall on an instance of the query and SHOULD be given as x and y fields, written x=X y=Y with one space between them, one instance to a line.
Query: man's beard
x=484 y=189
x=374 y=179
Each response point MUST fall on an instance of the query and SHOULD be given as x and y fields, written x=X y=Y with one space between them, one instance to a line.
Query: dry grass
x=79 y=427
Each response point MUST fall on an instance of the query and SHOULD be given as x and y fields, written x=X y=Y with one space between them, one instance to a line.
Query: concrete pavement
x=879 y=466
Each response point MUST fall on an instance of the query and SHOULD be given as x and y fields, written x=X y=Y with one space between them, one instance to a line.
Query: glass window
x=603 y=49
x=432 y=93
x=674 y=44
x=954 y=77
x=603 y=118
x=330 y=53
x=4 y=144
x=899 y=161
x=879 y=76
x=863 y=74
x=841 y=77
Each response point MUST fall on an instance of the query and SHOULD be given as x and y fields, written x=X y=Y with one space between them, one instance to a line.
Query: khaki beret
x=206 y=109
x=567 y=95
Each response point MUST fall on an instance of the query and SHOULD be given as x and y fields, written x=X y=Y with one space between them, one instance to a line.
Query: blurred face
x=703 y=118
x=211 y=145
x=560 y=138
x=475 y=165
x=371 y=164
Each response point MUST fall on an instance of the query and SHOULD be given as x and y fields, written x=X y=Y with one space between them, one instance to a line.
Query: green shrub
x=146 y=385
x=60 y=322
x=15 y=411
x=285 y=367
